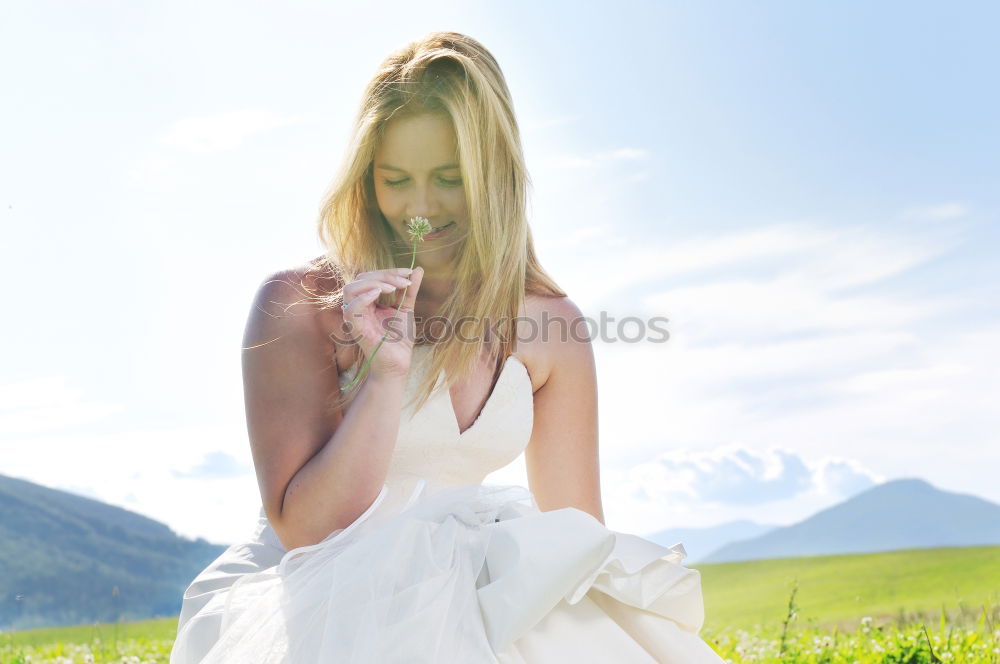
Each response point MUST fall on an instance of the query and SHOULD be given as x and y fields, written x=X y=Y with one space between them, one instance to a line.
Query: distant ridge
x=62 y=555
x=900 y=514
x=699 y=542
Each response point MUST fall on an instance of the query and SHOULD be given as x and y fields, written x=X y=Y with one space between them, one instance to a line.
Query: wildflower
x=418 y=227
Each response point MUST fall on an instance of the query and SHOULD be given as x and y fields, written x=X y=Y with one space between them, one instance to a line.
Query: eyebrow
x=387 y=167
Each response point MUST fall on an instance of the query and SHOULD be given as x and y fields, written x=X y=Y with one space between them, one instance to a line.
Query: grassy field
x=837 y=591
x=145 y=642
x=936 y=605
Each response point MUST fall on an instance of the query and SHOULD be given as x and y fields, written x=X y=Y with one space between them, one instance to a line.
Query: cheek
x=458 y=204
x=384 y=199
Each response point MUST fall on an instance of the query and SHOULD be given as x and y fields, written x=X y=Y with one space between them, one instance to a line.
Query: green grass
x=143 y=642
x=912 y=607
x=902 y=586
x=869 y=643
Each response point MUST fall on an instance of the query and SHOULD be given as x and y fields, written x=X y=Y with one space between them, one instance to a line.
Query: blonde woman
x=378 y=399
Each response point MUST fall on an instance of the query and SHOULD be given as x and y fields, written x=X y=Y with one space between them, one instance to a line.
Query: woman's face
x=416 y=173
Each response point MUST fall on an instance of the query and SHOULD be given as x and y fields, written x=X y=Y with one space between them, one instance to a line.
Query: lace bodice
x=429 y=444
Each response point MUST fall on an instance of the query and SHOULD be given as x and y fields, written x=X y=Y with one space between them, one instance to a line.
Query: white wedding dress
x=442 y=568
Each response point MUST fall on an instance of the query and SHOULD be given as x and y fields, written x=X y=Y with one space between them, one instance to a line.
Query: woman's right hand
x=366 y=322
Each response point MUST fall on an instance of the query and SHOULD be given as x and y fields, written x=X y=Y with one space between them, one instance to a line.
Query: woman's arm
x=317 y=471
x=562 y=456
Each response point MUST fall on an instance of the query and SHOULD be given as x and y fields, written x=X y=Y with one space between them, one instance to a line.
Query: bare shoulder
x=317 y=278
x=552 y=332
x=293 y=298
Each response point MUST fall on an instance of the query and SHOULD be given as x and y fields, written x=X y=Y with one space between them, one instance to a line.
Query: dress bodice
x=430 y=444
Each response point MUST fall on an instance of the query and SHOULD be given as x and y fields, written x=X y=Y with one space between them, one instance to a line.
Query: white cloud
x=936 y=212
x=857 y=256
x=805 y=261
x=36 y=393
x=43 y=404
x=696 y=488
x=736 y=312
x=843 y=477
x=737 y=476
x=224 y=131
x=216 y=465
x=628 y=153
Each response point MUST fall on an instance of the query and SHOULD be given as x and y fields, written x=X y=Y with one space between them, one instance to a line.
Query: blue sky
x=807 y=191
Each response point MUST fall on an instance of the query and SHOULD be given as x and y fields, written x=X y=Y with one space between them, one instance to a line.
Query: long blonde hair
x=454 y=75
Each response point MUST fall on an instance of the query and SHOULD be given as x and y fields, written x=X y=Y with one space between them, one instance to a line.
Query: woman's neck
x=435 y=286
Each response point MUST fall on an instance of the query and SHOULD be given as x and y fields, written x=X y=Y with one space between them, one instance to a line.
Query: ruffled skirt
x=466 y=574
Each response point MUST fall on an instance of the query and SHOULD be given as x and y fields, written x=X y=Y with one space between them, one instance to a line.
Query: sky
x=808 y=192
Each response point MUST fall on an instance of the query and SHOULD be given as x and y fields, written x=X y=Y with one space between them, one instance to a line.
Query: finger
x=396 y=276
x=396 y=280
x=355 y=288
x=410 y=298
x=355 y=306
x=401 y=271
x=385 y=272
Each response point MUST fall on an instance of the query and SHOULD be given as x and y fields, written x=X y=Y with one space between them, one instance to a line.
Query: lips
x=439 y=228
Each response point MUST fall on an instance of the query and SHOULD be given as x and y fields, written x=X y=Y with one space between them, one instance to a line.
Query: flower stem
x=364 y=369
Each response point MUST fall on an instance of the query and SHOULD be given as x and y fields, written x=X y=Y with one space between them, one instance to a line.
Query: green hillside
x=842 y=589
x=67 y=559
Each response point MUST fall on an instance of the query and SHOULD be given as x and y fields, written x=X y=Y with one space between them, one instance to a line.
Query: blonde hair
x=454 y=75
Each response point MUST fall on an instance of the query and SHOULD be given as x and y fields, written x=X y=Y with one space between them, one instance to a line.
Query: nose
x=422 y=202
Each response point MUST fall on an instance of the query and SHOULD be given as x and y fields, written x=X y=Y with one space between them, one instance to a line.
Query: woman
x=377 y=541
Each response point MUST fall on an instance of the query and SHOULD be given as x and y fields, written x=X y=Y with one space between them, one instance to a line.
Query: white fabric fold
x=457 y=574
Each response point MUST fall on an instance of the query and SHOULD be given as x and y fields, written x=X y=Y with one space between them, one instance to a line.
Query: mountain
x=901 y=514
x=62 y=556
x=699 y=542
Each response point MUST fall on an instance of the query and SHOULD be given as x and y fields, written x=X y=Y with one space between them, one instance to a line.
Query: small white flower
x=418 y=227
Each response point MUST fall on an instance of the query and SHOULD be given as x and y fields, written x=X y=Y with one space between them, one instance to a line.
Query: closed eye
x=447 y=182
